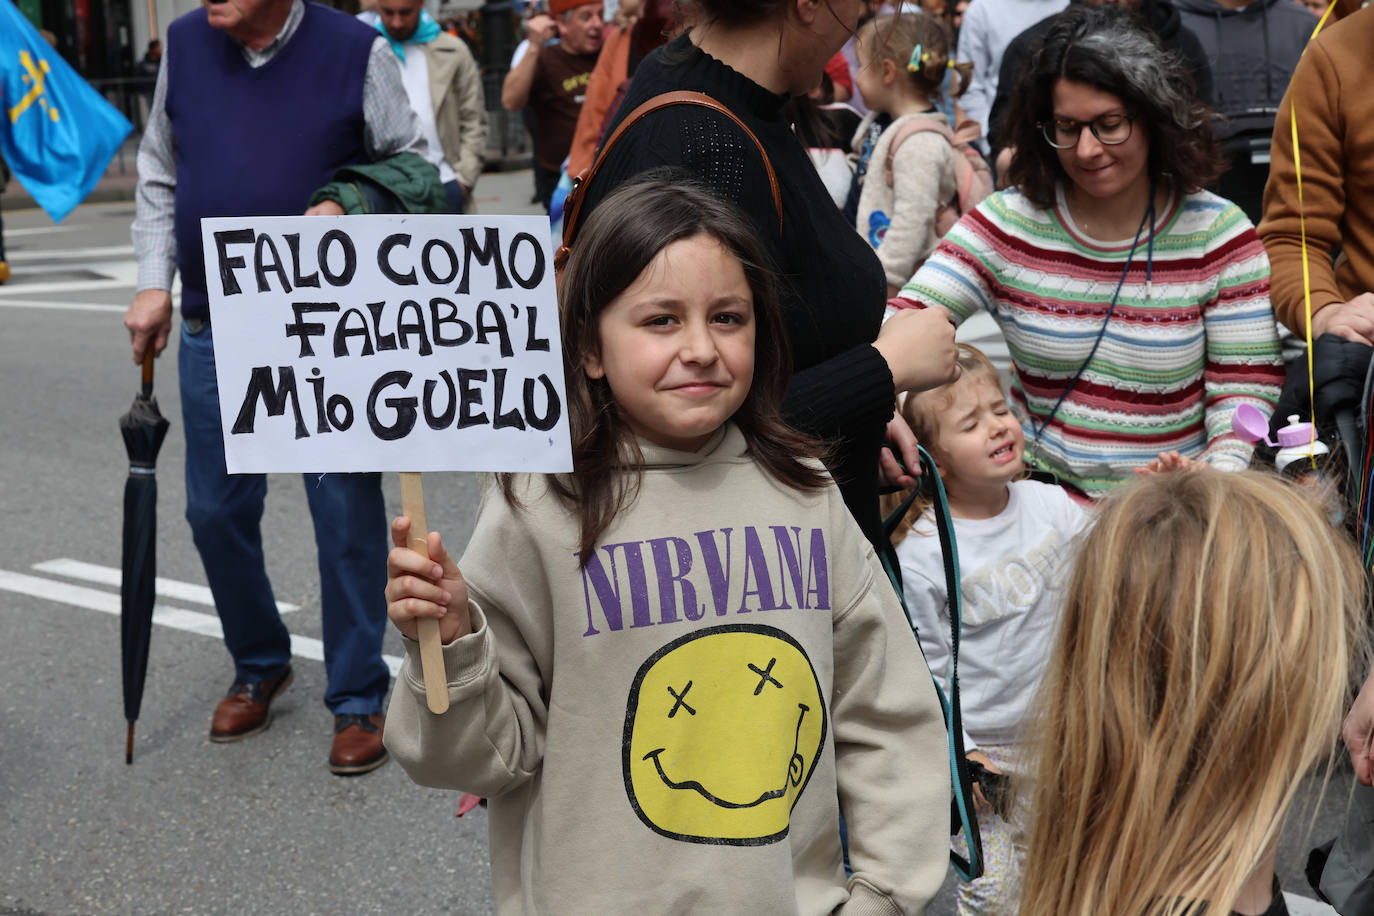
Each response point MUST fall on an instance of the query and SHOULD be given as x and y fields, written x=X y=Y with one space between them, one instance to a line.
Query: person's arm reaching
x=1242 y=362
x=149 y=317
x=515 y=91
x=1358 y=732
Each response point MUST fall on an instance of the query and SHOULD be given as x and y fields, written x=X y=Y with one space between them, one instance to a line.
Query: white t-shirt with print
x=1013 y=569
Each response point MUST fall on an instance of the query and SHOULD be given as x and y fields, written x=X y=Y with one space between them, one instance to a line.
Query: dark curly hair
x=1111 y=49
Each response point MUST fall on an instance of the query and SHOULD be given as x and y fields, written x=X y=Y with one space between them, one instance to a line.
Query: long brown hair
x=1211 y=628
x=614 y=246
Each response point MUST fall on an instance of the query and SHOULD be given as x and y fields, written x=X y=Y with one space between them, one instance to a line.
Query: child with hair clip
x=1014 y=539
x=671 y=670
x=918 y=168
x=1210 y=630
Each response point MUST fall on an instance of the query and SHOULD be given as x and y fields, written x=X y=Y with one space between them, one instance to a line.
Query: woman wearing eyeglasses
x=1136 y=307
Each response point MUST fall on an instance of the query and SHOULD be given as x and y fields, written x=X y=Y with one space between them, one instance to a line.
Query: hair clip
x=917 y=58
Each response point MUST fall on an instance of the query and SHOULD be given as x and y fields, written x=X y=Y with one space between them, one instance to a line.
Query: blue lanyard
x=1148 y=220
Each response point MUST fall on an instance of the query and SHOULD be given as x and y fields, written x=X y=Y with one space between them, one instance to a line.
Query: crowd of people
x=697 y=647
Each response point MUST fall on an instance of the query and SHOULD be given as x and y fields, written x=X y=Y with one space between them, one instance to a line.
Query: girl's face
x=870 y=78
x=1098 y=169
x=979 y=442
x=677 y=346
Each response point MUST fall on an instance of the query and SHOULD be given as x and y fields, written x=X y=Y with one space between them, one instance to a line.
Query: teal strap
x=962 y=782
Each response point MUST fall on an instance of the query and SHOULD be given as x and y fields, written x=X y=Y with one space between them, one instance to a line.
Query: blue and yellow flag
x=56 y=132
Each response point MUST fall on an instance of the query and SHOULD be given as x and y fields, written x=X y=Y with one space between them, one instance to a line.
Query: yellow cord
x=1302 y=229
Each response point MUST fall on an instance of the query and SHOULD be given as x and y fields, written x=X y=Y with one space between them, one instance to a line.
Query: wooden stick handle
x=148 y=371
x=431 y=650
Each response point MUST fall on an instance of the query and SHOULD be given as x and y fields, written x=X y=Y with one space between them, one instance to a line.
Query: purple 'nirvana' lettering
x=788 y=552
x=607 y=588
x=755 y=568
x=818 y=572
x=669 y=582
x=679 y=564
x=716 y=574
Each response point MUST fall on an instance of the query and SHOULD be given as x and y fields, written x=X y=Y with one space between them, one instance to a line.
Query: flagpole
x=152 y=20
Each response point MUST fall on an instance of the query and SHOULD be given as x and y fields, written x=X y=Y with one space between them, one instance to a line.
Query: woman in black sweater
x=750 y=55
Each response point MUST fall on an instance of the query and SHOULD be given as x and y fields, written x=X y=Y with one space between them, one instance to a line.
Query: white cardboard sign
x=387 y=343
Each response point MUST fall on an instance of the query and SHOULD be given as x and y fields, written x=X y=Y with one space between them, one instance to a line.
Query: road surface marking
x=42 y=230
x=163 y=615
x=94 y=253
x=60 y=306
x=108 y=575
x=75 y=286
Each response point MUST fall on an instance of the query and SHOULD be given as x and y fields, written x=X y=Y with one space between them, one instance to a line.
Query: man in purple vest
x=257 y=102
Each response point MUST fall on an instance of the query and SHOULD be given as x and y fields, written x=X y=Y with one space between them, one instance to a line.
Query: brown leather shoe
x=357 y=745
x=247 y=708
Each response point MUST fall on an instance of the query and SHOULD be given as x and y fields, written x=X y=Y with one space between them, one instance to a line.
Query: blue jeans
x=225 y=513
x=453 y=192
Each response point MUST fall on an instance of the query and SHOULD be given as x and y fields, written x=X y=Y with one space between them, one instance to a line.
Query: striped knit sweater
x=1178 y=356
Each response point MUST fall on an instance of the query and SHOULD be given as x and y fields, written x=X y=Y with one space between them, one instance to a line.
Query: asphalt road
x=253 y=827
x=193 y=827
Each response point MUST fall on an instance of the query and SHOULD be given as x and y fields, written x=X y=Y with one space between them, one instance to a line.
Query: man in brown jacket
x=444 y=88
x=1335 y=116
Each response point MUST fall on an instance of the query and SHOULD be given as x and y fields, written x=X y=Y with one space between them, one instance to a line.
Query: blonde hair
x=922 y=410
x=895 y=37
x=1202 y=668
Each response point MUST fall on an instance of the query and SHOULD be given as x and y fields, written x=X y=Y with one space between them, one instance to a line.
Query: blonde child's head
x=922 y=409
x=915 y=48
x=969 y=430
x=1201 y=670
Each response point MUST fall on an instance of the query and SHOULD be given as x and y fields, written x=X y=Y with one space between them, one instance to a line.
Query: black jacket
x=1252 y=51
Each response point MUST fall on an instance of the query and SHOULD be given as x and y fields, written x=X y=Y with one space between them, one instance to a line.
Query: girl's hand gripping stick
x=431 y=649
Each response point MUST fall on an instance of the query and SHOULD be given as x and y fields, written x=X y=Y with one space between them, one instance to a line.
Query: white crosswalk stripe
x=163 y=615
x=96 y=270
x=166 y=588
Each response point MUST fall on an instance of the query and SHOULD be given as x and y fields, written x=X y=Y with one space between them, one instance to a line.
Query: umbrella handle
x=431 y=649
x=148 y=371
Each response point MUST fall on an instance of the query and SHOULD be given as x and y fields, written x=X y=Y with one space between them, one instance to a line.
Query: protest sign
x=386 y=343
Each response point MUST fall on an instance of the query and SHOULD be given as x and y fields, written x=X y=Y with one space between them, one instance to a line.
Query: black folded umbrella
x=143 y=428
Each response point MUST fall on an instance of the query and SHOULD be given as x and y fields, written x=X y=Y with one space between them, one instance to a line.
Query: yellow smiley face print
x=723 y=728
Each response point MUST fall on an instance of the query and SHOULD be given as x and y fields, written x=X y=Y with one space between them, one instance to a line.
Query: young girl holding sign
x=666 y=668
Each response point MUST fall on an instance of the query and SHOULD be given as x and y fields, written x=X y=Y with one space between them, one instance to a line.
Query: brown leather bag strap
x=572 y=208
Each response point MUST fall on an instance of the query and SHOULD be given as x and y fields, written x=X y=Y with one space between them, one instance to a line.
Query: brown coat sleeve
x=1316 y=86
